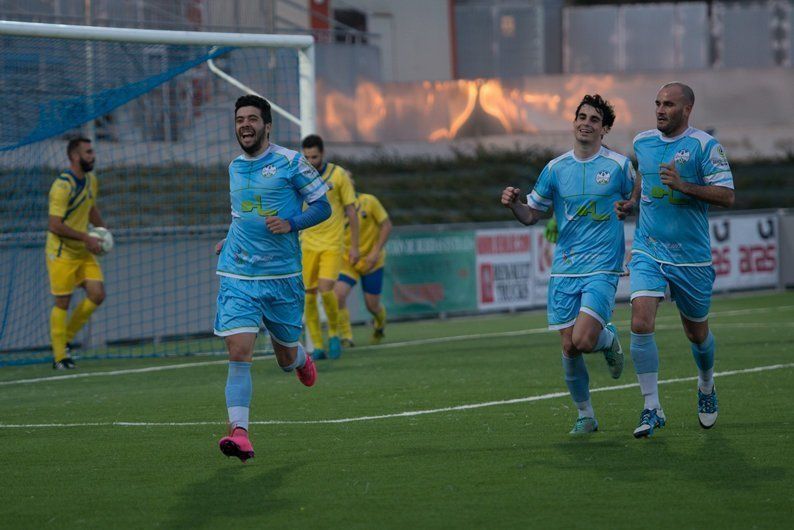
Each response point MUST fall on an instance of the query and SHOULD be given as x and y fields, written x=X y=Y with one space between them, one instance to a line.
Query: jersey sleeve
x=308 y=181
x=59 y=197
x=714 y=166
x=541 y=196
x=628 y=178
x=378 y=212
x=346 y=190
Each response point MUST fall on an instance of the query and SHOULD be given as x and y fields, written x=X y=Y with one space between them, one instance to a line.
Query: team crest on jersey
x=681 y=156
x=602 y=177
x=269 y=171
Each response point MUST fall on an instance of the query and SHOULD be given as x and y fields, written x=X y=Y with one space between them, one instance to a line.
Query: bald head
x=684 y=90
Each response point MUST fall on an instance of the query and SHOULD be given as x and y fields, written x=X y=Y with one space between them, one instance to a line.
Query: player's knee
x=697 y=335
x=568 y=348
x=583 y=342
x=97 y=297
x=641 y=324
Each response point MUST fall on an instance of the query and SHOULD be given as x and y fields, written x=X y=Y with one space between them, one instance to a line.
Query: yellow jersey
x=371 y=215
x=71 y=199
x=329 y=235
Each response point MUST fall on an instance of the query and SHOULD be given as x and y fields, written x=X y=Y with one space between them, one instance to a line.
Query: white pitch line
x=405 y=414
x=417 y=342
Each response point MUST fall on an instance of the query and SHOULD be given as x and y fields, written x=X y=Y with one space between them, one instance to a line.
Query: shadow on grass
x=233 y=495
x=709 y=458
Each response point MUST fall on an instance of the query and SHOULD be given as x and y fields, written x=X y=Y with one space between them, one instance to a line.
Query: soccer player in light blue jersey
x=682 y=172
x=260 y=261
x=581 y=186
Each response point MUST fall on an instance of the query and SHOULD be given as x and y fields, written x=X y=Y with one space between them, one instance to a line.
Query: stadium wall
x=431 y=271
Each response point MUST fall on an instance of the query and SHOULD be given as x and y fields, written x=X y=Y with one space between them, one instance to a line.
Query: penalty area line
x=405 y=414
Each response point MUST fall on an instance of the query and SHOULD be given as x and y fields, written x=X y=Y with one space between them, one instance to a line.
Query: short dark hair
x=313 y=140
x=251 y=100
x=601 y=105
x=74 y=144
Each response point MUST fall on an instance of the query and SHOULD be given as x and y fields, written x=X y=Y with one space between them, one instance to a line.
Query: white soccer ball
x=105 y=238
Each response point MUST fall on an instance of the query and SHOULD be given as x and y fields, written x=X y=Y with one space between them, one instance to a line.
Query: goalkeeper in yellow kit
x=70 y=251
x=375 y=227
x=322 y=246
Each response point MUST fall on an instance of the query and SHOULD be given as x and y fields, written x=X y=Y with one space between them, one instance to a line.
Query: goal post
x=158 y=106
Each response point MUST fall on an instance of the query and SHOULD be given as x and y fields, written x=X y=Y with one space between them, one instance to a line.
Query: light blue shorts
x=245 y=304
x=690 y=287
x=594 y=295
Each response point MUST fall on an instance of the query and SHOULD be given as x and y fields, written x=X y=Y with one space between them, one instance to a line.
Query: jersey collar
x=259 y=157
x=664 y=138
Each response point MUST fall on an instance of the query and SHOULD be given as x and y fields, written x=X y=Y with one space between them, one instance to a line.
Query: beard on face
x=85 y=165
x=259 y=138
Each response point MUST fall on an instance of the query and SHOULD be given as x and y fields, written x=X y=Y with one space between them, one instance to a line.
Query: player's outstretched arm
x=522 y=212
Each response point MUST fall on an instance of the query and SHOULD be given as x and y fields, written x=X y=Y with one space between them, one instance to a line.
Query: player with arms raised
x=581 y=186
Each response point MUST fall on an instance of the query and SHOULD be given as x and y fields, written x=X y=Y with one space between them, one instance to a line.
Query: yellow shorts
x=66 y=274
x=324 y=264
x=357 y=271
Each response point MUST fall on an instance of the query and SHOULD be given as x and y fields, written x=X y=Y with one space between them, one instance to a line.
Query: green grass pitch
x=127 y=448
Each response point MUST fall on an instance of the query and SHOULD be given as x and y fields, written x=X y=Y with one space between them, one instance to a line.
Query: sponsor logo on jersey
x=717 y=157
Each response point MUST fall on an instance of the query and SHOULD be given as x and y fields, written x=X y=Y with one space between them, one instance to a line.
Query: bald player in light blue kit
x=581 y=186
x=260 y=261
x=682 y=171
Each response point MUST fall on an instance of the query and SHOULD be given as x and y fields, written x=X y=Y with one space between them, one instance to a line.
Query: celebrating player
x=682 y=171
x=260 y=261
x=581 y=186
x=70 y=251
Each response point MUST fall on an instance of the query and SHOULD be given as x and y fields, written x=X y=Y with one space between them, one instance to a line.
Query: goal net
x=159 y=107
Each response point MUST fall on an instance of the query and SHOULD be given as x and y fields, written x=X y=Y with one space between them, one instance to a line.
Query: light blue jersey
x=275 y=183
x=673 y=227
x=583 y=193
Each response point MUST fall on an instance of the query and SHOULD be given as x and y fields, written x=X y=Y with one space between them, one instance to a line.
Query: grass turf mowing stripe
x=405 y=414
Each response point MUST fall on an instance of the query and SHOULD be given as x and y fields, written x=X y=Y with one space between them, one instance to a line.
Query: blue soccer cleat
x=707 y=408
x=614 y=354
x=334 y=348
x=584 y=426
x=318 y=354
x=650 y=419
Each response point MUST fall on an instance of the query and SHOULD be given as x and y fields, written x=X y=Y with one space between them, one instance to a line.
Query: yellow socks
x=312 y=314
x=345 y=331
x=331 y=307
x=79 y=317
x=58 y=318
x=380 y=318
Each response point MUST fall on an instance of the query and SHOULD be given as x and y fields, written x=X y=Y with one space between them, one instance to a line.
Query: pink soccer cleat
x=308 y=373
x=237 y=445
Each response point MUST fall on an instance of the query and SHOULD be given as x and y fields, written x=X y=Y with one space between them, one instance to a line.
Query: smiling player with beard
x=260 y=261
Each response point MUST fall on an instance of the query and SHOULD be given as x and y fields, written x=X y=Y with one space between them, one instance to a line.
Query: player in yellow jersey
x=323 y=246
x=375 y=227
x=70 y=251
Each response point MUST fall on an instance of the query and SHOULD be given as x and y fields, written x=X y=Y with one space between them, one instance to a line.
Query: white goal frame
x=304 y=44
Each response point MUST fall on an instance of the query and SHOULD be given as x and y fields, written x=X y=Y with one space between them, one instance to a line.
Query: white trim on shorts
x=287 y=344
x=241 y=277
x=236 y=331
x=652 y=294
x=593 y=314
x=562 y=326
x=701 y=319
